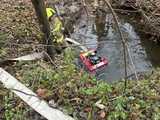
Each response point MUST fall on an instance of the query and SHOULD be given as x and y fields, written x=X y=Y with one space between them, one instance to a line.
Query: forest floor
x=62 y=85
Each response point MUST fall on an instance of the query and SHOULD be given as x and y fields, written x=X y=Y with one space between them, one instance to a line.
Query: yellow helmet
x=50 y=12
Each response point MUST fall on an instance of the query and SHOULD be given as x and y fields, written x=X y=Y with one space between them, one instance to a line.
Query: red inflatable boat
x=92 y=61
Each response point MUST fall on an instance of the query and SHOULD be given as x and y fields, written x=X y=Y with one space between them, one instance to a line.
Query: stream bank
x=70 y=90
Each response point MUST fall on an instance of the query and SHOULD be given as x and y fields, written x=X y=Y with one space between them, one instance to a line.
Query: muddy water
x=102 y=35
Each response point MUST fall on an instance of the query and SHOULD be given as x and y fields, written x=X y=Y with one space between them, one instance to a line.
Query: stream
x=103 y=36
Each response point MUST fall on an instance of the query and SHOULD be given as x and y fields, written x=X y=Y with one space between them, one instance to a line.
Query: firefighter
x=57 y=27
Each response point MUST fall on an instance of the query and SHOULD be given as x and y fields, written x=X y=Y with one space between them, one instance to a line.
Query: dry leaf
x=88 y=109
x=41 y=92
x=102 y=114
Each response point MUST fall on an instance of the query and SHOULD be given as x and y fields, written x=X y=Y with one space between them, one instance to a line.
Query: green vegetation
x=77 y=92
x=64 y=86
x=3 y=40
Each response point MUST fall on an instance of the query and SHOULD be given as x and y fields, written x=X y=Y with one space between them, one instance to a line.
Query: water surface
x=103 y=36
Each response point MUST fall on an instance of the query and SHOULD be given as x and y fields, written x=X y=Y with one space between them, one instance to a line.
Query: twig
x=84 y=44
x=128 y=11
x=124 y=44
x=120 y=32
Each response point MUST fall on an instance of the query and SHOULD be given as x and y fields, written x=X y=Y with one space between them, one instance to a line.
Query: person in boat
x=94 y=59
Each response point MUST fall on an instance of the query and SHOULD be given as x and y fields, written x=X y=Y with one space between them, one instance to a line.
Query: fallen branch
x=125 y=46
x=36 y=56
x=30 y=57
x=120 y=33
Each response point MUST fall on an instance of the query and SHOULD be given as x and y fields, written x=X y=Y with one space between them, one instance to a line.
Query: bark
x=44 y=25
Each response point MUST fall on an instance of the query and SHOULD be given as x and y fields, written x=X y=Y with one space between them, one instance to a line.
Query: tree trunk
x=44 y=25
